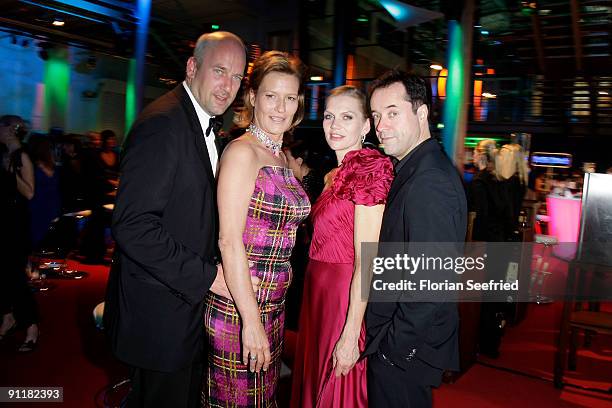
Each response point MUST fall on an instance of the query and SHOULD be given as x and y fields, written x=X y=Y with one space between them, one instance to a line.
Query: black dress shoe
x=28 y=346
x=10 y=331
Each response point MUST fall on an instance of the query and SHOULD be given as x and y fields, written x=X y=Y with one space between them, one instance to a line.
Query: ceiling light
x=58 y=22
x=316 y=78
x=603 y=92
x=489 y=95
x=437 y=67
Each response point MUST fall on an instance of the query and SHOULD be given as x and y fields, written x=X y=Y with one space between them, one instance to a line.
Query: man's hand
x=219 y=287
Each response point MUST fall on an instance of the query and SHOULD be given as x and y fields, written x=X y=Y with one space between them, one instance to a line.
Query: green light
x=362 y=20
x=130 y=96
x=215 y=26
x=440 y=125
x=454 y=88
x=57 y=87
x=472 y=141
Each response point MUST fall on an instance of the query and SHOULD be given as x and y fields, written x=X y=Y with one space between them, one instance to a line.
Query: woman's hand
x=255 y=347
x=346 y=354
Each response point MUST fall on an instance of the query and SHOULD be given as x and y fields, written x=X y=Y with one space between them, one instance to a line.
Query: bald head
x=209 y=41
x=215 y=71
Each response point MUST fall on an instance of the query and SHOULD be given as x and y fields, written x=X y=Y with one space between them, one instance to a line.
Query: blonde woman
x=349 y=211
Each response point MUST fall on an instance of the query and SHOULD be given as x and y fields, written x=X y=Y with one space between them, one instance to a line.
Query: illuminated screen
x=544 y=159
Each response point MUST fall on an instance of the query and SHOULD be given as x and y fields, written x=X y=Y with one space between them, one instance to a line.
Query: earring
x=363 y=137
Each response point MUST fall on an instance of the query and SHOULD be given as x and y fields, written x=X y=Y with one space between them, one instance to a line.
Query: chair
x=574 y=319
x=587 y=273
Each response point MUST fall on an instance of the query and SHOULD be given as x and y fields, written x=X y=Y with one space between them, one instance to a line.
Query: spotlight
x=58 y=22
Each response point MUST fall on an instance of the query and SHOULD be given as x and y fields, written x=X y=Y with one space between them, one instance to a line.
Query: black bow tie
x=215 y=125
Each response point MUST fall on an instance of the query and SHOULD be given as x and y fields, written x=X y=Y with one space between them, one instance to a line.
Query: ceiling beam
x=124 y=13
x=37 y=28
x=577 y=33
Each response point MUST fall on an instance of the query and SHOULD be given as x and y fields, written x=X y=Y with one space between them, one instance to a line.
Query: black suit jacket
x=165 y=228
x=426 y=203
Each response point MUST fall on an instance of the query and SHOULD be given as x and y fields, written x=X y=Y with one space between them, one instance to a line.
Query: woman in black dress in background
x=17 y=303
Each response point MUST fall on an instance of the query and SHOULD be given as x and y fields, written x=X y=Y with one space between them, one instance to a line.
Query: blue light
x=62 y=11
x=544 y=160
x=484 y=32
x=397 y=10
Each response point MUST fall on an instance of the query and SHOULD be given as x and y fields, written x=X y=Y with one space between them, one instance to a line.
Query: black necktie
x=215 y=125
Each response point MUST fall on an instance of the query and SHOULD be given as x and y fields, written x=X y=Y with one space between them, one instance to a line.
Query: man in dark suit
x=410 y=344
x=165 y=228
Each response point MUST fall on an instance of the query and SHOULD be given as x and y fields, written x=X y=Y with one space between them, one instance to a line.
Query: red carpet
x=73 y=354
x=530 y=348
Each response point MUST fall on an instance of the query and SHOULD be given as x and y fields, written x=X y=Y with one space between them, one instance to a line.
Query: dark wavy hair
x=418 y=91
x=21 y=130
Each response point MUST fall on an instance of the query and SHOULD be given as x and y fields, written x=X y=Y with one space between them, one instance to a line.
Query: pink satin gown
x=363 y=178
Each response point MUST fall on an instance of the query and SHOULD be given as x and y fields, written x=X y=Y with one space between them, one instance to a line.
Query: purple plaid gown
x=278 y=205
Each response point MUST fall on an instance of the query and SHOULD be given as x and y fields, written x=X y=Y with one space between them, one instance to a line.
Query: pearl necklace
x=274 y=147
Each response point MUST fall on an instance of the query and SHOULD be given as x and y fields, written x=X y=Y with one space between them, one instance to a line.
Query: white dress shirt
x=204 y=118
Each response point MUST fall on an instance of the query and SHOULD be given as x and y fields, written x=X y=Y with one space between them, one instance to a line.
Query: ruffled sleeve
x=364 y=177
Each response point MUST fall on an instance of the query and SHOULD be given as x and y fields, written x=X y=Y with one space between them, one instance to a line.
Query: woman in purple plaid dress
x=261 y=205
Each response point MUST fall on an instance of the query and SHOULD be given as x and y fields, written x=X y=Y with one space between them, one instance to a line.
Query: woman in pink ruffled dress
x=326 y=372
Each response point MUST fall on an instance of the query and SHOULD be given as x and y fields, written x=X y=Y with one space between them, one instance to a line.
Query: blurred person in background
x=94 y=140
x=45 y=205
x=489 y=199
x=71 y=178
x=306 y=168
x=513 y=170
x=17 y=303
x=109 y=157
x=96 y=190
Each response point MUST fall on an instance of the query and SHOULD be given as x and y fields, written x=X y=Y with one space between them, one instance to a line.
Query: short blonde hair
x=273 y=61
x=208 y=41
x=350 y=90
x=488 y=154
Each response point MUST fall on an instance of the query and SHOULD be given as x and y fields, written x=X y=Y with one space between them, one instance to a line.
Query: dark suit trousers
x=178 y=389
x=392 y=387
